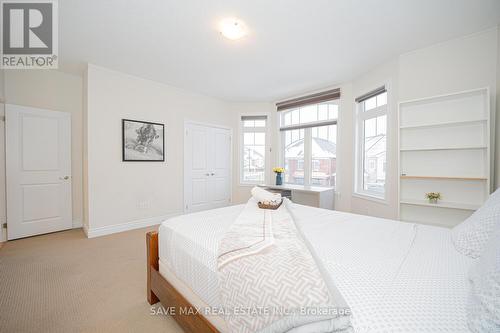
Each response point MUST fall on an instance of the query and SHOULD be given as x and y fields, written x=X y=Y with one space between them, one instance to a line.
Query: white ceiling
x=293 y=46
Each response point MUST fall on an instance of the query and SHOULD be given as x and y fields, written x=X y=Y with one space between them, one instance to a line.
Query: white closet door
x=38 y=156
x=221 y=167
x=197 y=168
x=207 y=167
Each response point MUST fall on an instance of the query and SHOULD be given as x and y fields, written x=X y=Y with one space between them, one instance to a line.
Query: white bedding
x=187 y=245
x=394 y=276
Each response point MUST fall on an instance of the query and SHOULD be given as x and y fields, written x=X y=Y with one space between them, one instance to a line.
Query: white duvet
x=396 y=277
x=264 y=263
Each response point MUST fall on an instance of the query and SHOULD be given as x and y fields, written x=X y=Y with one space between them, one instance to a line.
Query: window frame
x=359 y=158
x=307 y=127
x=241 y=147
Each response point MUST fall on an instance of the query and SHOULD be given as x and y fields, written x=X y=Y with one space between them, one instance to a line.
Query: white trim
x=307 y=128
x=137 y=224
x=446 y=123
x=360 y=117
x=423 y=99
x=308 y=157
x=267 y=148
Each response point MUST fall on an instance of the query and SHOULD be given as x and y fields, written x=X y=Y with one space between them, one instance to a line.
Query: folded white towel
x=262 y=195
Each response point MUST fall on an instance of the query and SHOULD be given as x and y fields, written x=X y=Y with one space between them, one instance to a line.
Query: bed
x=395 y=276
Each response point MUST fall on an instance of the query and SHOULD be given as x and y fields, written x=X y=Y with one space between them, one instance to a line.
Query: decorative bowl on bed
x=270 y=204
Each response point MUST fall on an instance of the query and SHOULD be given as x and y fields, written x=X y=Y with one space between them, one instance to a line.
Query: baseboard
x=86 y=230
x=137 y=224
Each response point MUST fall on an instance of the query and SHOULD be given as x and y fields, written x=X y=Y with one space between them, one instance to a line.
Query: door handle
x=212 y=174
x=64 y=178
x=207 y=174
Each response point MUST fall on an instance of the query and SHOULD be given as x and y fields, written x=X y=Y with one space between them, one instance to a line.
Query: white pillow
x=483 y=313
x=471 y=236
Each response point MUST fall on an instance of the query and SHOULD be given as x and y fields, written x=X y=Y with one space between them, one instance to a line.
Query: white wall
x=123 y=195
x=461 y=64
x=456 y=65
x=57 y=91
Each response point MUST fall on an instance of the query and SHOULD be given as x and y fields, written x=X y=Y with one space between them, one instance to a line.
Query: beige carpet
x=64 y=282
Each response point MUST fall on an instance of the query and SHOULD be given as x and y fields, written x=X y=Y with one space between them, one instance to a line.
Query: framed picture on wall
x=142 y=141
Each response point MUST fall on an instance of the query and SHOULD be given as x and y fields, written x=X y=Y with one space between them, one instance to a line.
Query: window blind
x=370 y=94
x=309 y=99
x=253 y=118
x=308 y=125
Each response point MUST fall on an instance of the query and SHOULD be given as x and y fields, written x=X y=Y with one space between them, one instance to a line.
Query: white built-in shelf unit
x=444 y=146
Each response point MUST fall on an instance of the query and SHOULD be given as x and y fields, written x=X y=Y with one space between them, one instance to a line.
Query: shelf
x=444 y=178
x=448 y=123
x=441 y=204
x=443 y=148
x=468 y=92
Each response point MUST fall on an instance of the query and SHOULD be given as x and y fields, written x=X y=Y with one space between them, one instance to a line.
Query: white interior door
x=207 y=167
x=38 y=158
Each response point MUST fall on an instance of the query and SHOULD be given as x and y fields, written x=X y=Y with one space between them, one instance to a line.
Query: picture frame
x=142 y=141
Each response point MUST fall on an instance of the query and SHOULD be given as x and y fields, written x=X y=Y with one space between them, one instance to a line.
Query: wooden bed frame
x=160 y=290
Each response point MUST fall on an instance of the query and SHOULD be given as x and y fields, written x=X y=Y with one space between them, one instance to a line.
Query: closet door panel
x=197 y=162
x=207 y=169
x=221 y=171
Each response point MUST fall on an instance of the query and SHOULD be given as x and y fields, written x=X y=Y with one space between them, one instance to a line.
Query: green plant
x=433 y=196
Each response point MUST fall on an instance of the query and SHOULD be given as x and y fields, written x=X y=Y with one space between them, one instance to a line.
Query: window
x=309 y=143
x=371 y=143
x=253 y=149
x=316 y=165
x=300 y=165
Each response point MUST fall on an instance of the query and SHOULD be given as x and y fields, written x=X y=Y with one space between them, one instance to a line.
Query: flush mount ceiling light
x=233 y=28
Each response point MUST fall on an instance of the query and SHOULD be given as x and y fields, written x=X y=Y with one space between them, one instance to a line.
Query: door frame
x=188 y=122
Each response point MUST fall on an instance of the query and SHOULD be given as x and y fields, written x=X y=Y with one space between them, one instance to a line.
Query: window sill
x=366 y=196
x=250 y=184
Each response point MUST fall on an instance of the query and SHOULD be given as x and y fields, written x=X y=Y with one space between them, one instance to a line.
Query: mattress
x=395 y=276
x=187 y=246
